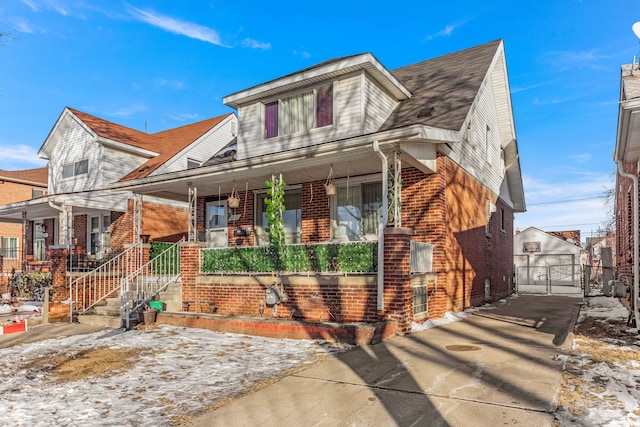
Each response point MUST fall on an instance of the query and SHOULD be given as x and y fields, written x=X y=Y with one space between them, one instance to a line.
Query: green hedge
x=31 y=285
x=168 y=265
x=334 y=257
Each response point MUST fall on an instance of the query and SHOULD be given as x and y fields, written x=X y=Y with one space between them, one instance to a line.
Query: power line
x=564 y=201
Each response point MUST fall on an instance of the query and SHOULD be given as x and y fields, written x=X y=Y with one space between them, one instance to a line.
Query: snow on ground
x=602 y=377
x=177 y=373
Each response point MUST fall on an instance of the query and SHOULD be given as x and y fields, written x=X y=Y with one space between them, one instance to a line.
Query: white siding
x=75 y=145
x=346 y=122
x=471 y=154
x=378 y=104
x=202 y=149
x=117 y=163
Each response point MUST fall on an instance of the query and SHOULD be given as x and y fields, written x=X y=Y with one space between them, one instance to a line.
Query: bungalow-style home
x=85 y=154
x=627 y=159
x=17 y=186
x=547 y=262
x=420 y=163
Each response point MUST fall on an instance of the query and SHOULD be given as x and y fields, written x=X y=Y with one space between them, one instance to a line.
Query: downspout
x=636 y=233
x=383 y=223
x=68 y=236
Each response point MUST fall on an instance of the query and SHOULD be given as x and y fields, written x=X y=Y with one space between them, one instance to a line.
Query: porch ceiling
x=294 y=171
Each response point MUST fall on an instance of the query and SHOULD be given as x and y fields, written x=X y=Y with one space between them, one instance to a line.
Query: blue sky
x=163 y=64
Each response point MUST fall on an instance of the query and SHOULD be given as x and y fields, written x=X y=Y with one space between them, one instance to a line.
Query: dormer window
x=299 y=113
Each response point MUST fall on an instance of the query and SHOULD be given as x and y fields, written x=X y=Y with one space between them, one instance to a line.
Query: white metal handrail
x=141 y=285
x=104 y=281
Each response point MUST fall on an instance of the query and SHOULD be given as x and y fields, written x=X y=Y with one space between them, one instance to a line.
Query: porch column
x=25 y=226
x=192 y=213
x=189 y=271
x=137 y=218
x=398 y=293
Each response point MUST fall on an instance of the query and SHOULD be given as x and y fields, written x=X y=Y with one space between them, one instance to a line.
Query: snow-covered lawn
x=602 y=378
x=148 y=377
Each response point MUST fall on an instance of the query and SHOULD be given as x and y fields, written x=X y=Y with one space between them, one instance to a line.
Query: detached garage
x=546 y=264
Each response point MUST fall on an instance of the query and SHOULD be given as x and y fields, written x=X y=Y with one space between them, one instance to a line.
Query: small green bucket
x=158 y=305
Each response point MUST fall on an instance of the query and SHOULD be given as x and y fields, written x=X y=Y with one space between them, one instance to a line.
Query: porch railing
x=421 y=257
x=103 y=282
x=141 y=285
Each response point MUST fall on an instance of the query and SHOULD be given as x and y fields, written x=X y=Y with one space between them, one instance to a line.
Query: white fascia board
x=387 y=138
x=344 y=66
x=47 y=146
x=127 y=147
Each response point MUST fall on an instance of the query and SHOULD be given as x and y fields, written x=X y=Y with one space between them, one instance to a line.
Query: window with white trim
x=10 y=247
x=299 y=113
x=99 y=235
x=357 y=211
x=292 y=216
x=76 y=168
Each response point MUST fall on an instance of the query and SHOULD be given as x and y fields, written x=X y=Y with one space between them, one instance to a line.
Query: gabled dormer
x=336 y=99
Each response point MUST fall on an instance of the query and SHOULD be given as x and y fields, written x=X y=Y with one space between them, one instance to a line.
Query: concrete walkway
x=47 y=331
x=497 y=367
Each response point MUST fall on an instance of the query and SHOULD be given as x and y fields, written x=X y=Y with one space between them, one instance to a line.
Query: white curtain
x=296 y=113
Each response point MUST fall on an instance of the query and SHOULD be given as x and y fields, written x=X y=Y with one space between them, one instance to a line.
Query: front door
x=216 y=223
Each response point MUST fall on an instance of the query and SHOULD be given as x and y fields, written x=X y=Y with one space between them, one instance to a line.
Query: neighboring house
x=17 y=186
x=547 y=262
x=443 y=128
x=85 y=154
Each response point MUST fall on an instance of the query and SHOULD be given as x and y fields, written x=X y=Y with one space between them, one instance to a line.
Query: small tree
x=275 y=216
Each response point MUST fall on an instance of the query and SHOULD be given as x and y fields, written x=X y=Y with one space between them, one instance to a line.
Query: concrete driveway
x=497 y=367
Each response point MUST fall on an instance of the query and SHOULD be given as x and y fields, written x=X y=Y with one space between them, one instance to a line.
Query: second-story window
x=77 y=168
x=299 y=112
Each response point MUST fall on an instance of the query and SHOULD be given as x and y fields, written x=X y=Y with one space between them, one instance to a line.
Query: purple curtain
x=324 y=106
x=271 y=119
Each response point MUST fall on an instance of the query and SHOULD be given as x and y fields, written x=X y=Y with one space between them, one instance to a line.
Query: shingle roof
x=443 y=88
x=35 y=176
x=113 y=131
x=171 y=142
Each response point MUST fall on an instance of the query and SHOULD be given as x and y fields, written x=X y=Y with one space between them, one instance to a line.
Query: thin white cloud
x=302 y=53
x=184 y=117
x=22 y=26
x=581 y=158
x=552 y=101
x=446 y=31
x=255 y=44
x=174 y=84
x=176 y=26
x=572 y=59
x=516 y=89
x=126 y=111
x=31 y=5
x=20 y=154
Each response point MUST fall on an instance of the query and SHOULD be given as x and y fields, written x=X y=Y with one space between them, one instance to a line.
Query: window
x=39 y=244
x=292 y=218
x=37 y=192
x=78 y=168
x=10 y=247
x=502 y=219
x=358 y=211
x=420 y=299
x=490 y=209
x=99 y=235
x=299 y=112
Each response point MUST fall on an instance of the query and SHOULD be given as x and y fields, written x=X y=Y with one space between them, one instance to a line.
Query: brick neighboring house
x=443 y=128
x=85 y=154
x=17 y=186
x=627 y=158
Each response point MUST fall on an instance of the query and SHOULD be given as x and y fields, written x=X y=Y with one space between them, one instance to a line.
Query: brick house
x=443 y=129
x=17 y=186
x=85 y=154
x=627 y=158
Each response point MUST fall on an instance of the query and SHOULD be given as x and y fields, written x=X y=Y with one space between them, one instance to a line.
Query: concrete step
x=107 y=310
x=100 y=320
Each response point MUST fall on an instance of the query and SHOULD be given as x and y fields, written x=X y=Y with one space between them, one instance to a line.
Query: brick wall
x=316 y=226
x=315 y=298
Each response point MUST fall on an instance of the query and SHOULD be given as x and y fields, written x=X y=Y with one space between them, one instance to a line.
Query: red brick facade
x=448 y=209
